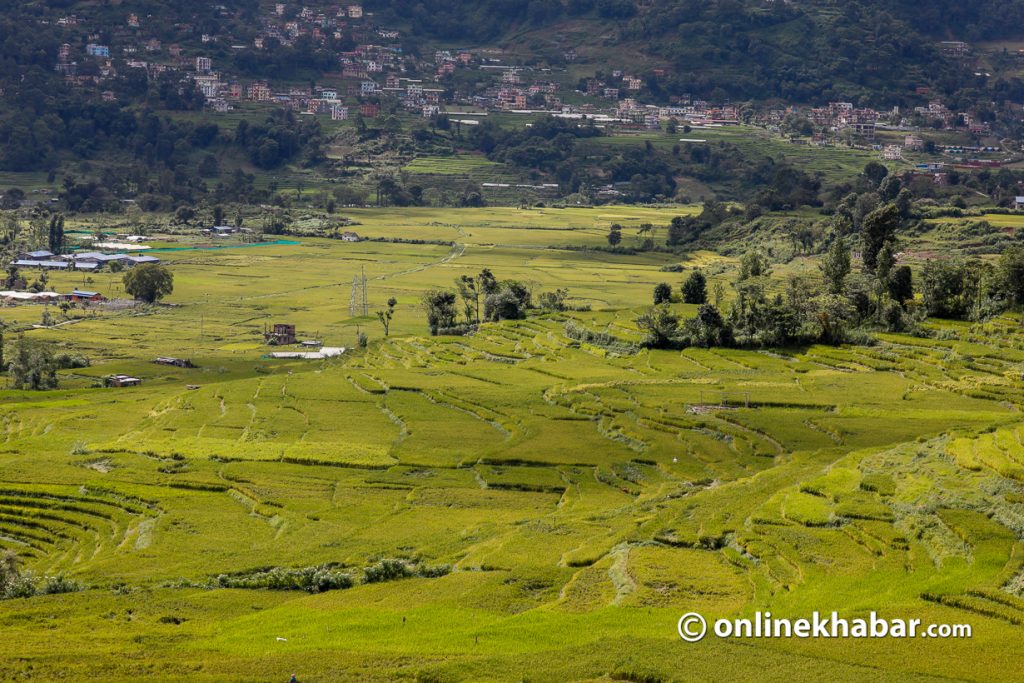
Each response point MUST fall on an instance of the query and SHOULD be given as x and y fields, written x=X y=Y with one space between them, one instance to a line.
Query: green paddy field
x=558 y=505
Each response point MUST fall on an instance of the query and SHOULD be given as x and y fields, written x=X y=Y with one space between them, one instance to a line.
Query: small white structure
x=29 y=296
x=324 y=352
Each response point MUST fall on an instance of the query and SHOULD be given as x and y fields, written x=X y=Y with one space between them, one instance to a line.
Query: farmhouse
x=349 y=236
x=225 y=230
x=280 y=334
x=122 y=381
x=1018 y=202
x=83 y=295
x=177 y=362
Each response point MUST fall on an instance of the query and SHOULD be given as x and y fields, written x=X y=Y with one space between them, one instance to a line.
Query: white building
x=892 y=152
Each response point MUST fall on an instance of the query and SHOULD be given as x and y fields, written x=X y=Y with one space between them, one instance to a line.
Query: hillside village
x=373 y=74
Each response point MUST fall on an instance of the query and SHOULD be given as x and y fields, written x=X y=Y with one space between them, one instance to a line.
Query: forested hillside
x=132 y=122
x=813 y=51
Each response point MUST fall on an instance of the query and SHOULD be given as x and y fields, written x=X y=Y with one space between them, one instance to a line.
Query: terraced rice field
x=582 y=499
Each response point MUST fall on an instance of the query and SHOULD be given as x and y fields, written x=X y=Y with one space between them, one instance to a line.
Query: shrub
x=316 y=579
x=387 y=570
x=53 y=585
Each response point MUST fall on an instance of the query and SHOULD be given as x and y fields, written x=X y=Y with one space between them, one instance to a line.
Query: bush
x=316 y=579
x=65 y=361
x=391 y=569
x=662 y=293
x=577 y=332
x=387 y=570
x=53 y=585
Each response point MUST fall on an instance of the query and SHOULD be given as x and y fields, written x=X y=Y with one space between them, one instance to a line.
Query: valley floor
x=558 y=505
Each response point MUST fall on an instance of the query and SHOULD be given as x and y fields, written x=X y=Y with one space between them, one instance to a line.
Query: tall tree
x=56 y=233
x=33 y=366
x=440 y=305
x=875 y=172
x=386 y=315
x=878 y=229
x=470 y=294
x=695 y=288
x=836 y=265
x=1011 y=274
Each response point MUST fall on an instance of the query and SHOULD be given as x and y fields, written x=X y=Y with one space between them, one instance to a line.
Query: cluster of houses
x=376 y=71
x=837 y=116
x=87 y=261
x=10 y=297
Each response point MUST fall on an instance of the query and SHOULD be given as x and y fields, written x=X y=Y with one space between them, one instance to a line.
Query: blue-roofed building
x=35 y=263
x=83 y=295
x=40 y=255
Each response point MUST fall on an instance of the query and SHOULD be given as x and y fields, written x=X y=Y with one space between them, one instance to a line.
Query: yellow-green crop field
x=583 y=499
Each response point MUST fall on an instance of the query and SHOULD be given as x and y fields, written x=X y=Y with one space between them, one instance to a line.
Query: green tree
x=708 y=329
x=386 y=315
x=470 y=294
x=878 y=229
x=875 y=172
x=948 y=288
x=56 y=234
x=149 y=282
x=904 y=203
x=660 y=324
x=754 y=264
x=901 y=285
x=890 y=188
x=487 y=283
x=32 y=366
x=831 y=314
x=695 y=288
x=440 y=307
x=184 y=214
x=662 y=293
x=554 y=301
x=615 y=235
x=1011 y=276
x=835 y=266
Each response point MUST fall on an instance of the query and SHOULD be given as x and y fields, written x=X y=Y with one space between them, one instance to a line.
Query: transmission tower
x=358 y=304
